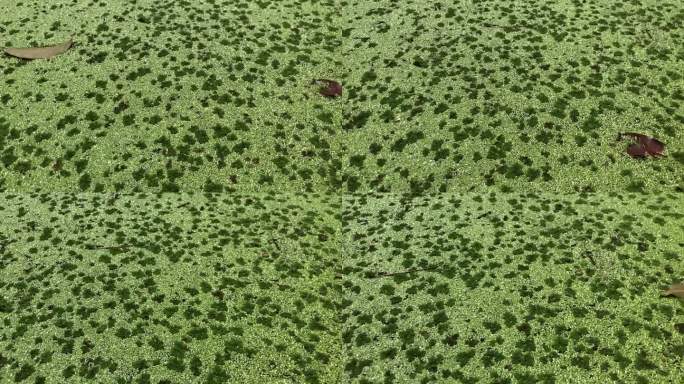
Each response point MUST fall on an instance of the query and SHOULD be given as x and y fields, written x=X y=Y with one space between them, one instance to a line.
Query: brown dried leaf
x=675 y=290
x=39 y=52
x=655 y=147
x=636 y=150
x=650 y=145
x=329 y=88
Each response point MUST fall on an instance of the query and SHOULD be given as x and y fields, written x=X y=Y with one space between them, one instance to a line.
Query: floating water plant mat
x=509 y=288
x=177 y=289
x=438 y=95
x=484 y=287
x=169 y=96
x=450 y=95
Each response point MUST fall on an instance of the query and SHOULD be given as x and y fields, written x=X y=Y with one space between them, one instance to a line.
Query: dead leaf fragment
x=330 y=88
x=644 y=145
x=675 y=290
x=39 y=52
x=636 y=151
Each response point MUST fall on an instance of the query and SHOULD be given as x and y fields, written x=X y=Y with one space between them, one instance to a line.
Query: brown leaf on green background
x=644 y=145
x=675 y=290
x=636 y=150
x=329 y=88
x=39 y=52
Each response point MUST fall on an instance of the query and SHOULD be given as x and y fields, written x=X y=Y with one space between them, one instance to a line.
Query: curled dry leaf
x=329 y=88
x=39 y=52
x=644 y=145
x=675 y=290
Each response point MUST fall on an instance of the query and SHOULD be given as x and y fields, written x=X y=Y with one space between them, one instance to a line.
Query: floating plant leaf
x=330 y=88
x=644 y=145
x=675 y=290
x=39 y=52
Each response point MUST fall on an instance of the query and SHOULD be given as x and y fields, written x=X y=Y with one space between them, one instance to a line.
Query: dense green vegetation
x=179 y=202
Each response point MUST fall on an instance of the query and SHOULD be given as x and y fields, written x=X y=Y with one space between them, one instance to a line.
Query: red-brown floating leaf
x=652 y=146
x=636 y=150
x=330 y=88
x=39 y=52
x=675 y=290
x=655 y=147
